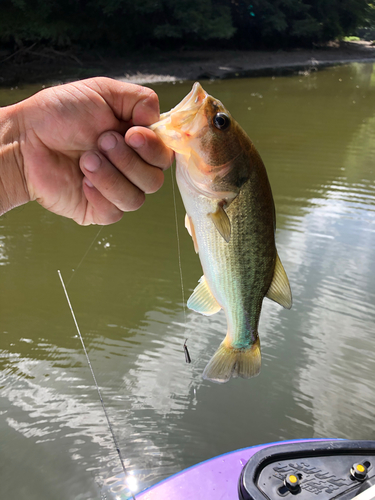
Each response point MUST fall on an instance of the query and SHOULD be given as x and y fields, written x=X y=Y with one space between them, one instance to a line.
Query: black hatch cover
x=319 y=470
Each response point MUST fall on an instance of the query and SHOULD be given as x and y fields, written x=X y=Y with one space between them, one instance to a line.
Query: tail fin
x=229 y=362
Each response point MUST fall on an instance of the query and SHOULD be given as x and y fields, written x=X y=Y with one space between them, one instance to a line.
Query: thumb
x=127 y=101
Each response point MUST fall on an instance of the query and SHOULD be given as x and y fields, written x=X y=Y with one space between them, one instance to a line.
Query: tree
x=140 y=23
x=283 y=23
x=125 y=23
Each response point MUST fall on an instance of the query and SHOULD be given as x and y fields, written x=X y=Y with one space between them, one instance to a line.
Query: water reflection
x=316 y=134
x=338 y=326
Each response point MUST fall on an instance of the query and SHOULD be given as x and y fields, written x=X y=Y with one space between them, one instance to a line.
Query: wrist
x=13 y=188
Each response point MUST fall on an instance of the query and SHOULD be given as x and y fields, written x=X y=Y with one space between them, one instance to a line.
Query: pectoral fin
x=221 y=221
x=279 y=291
x=202 y=300
x=191 y=230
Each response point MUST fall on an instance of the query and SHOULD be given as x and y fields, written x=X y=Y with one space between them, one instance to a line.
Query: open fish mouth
x=182 y=116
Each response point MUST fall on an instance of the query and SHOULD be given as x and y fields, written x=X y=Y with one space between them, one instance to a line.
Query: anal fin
x=202 y=300
x=279 y=290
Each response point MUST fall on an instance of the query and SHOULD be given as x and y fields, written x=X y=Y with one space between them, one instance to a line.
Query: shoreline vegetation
x=42 y=65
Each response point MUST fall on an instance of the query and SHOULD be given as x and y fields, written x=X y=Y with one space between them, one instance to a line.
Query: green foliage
x=280 y=23
x=114 y=22
x=41 y=20
x=170 y=23
x=197 y=19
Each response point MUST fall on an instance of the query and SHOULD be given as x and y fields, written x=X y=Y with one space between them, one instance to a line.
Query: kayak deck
x=214 y=479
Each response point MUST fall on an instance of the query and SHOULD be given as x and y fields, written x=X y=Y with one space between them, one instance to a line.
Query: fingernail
x=108 y=142
x=91 y=162
x=136 y=140
x=87 y=182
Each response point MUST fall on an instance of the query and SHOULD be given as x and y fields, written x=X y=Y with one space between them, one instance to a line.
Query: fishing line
x=83 y=258
x=96 y=383
x=187 y=356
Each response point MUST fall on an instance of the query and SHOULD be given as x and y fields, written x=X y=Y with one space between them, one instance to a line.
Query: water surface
x=316 y=135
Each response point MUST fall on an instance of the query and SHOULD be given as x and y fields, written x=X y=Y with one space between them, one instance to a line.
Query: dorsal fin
x=279 y=290
x=221 y=221
x=191 y=230
x=202 y=300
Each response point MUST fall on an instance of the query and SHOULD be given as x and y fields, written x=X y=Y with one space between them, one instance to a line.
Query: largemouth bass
x=231 y=219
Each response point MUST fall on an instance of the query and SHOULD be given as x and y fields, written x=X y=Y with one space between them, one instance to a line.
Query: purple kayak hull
x=214 y=479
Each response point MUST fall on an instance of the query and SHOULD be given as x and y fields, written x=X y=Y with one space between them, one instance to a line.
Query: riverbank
x=231 y=64
x=44 y=65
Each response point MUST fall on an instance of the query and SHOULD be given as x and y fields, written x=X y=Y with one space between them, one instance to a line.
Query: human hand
x=75 y=161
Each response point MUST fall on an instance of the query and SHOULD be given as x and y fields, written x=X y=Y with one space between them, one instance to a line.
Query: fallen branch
x=22 y=49
x=65 y=54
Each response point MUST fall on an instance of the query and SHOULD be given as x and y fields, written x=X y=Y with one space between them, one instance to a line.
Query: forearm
x=13 y=189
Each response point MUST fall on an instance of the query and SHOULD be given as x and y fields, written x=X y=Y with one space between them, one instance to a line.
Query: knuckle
x=168 y=159
x=151 y=94
x=135 y=202
x=128 y=163
x=145 y=94
x=104 y=218
x=114 y=217
x=162 y=156
x=156 y=181
x=111 y=184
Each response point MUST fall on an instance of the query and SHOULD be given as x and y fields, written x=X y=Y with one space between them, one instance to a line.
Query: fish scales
x=239 y=272
x=231 y=218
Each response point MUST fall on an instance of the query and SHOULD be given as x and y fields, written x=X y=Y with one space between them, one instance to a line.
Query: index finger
x=127 y=101
x=149 y=147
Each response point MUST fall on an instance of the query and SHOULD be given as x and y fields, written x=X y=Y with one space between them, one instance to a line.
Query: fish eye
x=221 y=121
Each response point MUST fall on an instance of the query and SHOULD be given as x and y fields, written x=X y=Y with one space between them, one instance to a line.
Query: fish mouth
x=181 y=117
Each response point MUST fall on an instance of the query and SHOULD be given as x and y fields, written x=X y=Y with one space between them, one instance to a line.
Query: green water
x=316 y=134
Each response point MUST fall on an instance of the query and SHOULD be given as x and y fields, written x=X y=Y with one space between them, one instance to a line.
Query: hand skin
x=65 y=148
